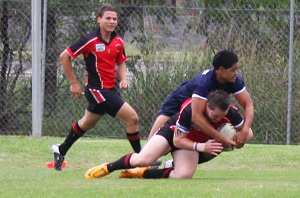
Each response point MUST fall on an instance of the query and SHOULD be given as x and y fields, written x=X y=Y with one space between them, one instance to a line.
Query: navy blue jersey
x=203 y=83
x=199 y=86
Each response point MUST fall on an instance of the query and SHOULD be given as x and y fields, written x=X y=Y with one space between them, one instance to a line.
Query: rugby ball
x=229 y=131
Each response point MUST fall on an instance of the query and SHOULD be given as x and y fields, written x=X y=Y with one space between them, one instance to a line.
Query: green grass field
x=254 y=171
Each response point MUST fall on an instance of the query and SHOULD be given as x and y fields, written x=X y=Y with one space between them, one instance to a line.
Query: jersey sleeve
x=235 y=117
x=184 y=119
x=121 y=57
x=201 y=93
x=202 y=85
x=79 y=47
x=239 y=85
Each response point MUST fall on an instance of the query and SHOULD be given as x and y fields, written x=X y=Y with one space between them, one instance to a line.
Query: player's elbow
x=63 y=57
x=250 y=135
x=178 y=143
x=197 y=118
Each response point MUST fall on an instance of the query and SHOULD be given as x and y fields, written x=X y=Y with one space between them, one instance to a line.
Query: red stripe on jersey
x=234 y=107
x=97 y=95
x=184 y=104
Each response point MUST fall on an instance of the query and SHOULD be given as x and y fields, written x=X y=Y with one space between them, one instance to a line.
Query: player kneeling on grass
x=188 y=145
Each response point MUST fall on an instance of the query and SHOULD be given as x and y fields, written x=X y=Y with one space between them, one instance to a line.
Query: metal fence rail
x=166 y=45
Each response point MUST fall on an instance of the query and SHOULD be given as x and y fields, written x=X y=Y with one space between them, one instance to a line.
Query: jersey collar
x=113 y=35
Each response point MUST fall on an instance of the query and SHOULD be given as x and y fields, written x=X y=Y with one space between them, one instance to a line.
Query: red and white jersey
x=100 y=58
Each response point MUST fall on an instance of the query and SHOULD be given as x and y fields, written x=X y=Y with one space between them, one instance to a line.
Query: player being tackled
x=188 y=144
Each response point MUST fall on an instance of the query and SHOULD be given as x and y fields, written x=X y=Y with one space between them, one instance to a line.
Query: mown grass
x=254 y=171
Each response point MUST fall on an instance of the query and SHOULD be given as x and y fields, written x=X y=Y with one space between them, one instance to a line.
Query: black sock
x=75 y=133
x=158 y=173
x=122 y=163
x=134 y=139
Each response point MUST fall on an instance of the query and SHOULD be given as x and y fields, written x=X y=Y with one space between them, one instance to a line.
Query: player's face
x=228 y=75
x=108 y=22
x=216 y=114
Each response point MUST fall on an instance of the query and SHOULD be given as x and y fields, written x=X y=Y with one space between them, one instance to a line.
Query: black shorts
x=102 y=101
x=167 y=133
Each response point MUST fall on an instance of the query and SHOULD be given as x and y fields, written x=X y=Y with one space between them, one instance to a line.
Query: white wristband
x=201 y=147
x=195 y=146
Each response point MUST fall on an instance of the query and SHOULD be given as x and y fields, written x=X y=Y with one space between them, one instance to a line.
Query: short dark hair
x=106 y=8
x=225 y=58
x=218 y=99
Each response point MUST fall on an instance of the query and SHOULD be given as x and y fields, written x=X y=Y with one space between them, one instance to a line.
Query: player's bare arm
x=246 y=102
x=200 y=121
x=181 y=141
x=122 y=75
x=66 y=62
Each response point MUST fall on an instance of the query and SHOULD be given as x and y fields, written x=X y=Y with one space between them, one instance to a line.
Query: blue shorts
x=102 y=101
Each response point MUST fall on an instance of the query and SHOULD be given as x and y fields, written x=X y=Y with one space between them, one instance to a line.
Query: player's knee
x=86 y=124
x=133 y=119
x=183 y=174
x=143 y=161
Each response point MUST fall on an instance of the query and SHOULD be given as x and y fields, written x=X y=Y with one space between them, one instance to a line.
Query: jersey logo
x=100 y=47
x=205 y=72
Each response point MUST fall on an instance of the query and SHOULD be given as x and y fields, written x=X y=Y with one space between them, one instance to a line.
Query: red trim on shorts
x=97 y=95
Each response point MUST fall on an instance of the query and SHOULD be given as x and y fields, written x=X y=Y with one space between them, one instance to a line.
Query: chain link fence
x=166 y=45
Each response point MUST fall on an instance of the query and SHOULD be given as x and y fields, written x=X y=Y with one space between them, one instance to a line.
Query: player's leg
x=185 y=164
x=77 y=130
x=129 y=116
x=159 y=122
x=154 y=149
x=185 y=167
x=169 y=107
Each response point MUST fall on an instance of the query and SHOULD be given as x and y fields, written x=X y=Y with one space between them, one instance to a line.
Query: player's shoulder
x=239 y=80
x=90 y=35
x=239 y=77
x=204 y=77
x=206 y=74
x=87 y=38
x=118 y=38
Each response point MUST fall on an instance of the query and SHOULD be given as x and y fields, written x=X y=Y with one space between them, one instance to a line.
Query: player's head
x=226 y=65
x=217 y=105
x=225 y=59
x=107 y=18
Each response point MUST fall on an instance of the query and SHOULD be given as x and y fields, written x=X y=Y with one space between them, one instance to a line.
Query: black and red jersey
x=183 y=121
x=100 y=58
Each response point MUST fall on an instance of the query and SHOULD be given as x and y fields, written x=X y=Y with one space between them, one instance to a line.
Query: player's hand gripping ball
x=229 y=131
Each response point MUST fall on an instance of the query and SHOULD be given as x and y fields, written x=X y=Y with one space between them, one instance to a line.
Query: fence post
x=36 y=68
x=290 y=72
